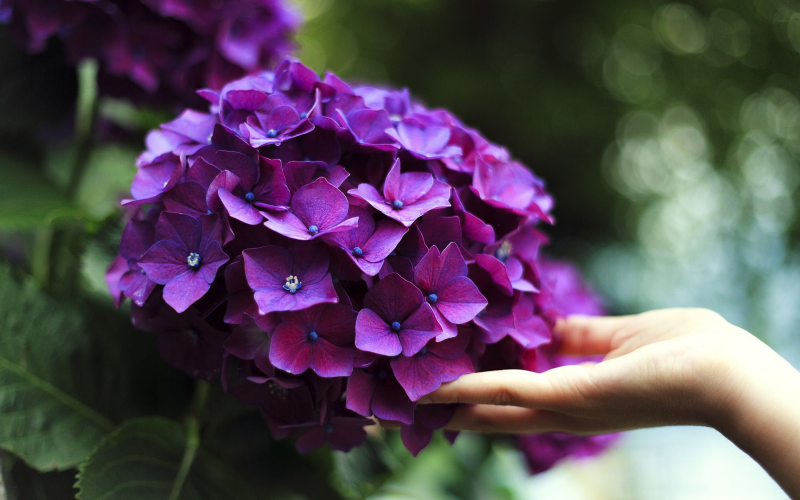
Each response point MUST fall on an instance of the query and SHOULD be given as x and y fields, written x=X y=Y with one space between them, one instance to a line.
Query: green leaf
x=154 y=458
x=51 y=379
x=27 y=198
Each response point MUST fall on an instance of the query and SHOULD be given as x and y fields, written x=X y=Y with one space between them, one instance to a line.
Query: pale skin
x=665 y=367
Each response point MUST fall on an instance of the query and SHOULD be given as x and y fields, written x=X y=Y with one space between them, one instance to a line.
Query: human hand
x=666 y=367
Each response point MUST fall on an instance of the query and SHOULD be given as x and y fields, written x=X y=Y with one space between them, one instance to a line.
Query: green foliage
x=49 y=377
x=27 y=199
x=154 y=458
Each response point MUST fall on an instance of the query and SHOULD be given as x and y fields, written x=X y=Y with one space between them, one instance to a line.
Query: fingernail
x=424 y=400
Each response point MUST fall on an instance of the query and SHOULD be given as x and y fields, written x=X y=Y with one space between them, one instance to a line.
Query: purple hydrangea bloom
x=159 y=50
x=287 y=281
x=395 y=319
x=320 y=338
x=377 y=250
x=185 y=258
x=405 y=196
x=443 y=280
x=543 y=451
x=317 y=209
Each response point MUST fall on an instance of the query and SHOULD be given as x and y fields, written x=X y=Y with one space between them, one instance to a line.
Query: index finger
x=589 y=335
x=502 y=387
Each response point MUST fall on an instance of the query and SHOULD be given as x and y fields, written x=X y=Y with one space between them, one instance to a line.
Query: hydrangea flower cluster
x=334 y=253
x=163 y=47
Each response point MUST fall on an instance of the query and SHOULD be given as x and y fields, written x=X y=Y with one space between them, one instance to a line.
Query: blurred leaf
x=48 y=379
x=27 y=199
x=360 y=472
x=153 y=458
x=107 y=179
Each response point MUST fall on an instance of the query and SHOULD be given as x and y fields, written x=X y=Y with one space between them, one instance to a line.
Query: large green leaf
x=153 y=458
x=52 y=379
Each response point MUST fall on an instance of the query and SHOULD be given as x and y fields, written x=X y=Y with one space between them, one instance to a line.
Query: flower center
x=303 y=114
x=292 y=284
x=313 y=335
x=504 y=251
x=313 y=229
x=358 y=252
x=250 y=197
x=272 y=133
x=397 y=204
x=328 y=428
x=396 y=326
x=432 y=298
x=382 y=374
x=193 y=260
x=209 y=212
x=423 y=350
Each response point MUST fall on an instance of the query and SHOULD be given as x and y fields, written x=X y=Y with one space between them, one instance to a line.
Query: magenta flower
x=320 y=338
x=426 y=142
x=340 y=433
x=518 y=251
x=497 y=319
x=405 y=196
x=453 y=296
x=434 y=364
x=367 y=128
x=512 y=186
x=374 y=390
x=427 y=418
x=395 y=319
x=249 y=341
x=406 y=255
x=286 y=280
x=543 y=451
x=278 y=121
x=368 y=244
x=240 y=296
x=301 y=173
x=156 y=178
x=316 y=209
x=245 y=187
x=185 y=258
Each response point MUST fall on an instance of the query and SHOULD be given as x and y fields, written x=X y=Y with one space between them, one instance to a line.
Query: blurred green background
x=669 y=134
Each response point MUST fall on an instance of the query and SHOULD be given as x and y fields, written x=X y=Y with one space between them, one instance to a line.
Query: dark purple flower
x=316 y=209
x=443 y=280
x=427 y=419
x=530 y=330
x=405 y=196
x=300 y=173
x=434 y=364
x=512 y=186
x=543 y=451
x=368 y=244
x=286 y=280
x=367 y=128
x=245 y=186
x=519 y=250
x=340 y=433
x=250 y=341
x=320 y=337
x=276 y=122
x=406 y=255
x=374 y=390
x=395 y=319
x=156 y=178
x=185 y=258
x=497 y=319
x=131 y=280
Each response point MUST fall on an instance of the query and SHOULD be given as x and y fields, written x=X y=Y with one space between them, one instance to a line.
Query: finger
x=505 y=419
x=503 y=387
x=589 y=335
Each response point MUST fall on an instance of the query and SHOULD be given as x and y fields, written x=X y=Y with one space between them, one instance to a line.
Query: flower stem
x=85 y=117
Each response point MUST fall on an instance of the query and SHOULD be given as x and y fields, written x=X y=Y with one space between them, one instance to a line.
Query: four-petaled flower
x=406 y=197
x=286 y=280
x=316 y=209
x=395 y=319
x=434 y=364
x=320 y=337
x=454 y=297
x=185 y=258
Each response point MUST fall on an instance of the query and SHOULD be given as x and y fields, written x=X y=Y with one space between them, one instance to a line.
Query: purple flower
x=374 y=390
x=249 y=341
x=405 y=196
x=185 y=258
x=131 y=280
x=512 y=186
x=245 y=186
x=395 y=319
x=518 y=251
x=497 y=319
x=286 y=280
x=427 y=419
x=340 y=433
x=443 y=280
x=543 y=451
x=426 y=142
x=278 y=121
x=368 y=244
x=156 y=178
x=316 y=209
x=434 y=364
x=300 y=173
x=320 y=337
x=367 y=128
x=406 y=255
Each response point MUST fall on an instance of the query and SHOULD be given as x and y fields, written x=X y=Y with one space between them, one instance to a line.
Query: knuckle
x=504 y=396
